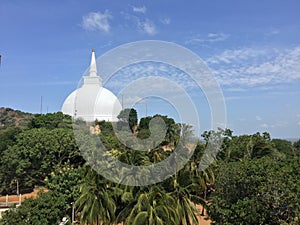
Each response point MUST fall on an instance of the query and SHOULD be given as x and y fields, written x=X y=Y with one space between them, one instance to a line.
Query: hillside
x=14 y=118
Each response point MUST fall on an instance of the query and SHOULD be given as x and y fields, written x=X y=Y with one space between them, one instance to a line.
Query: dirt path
x=203 y=220
x=15 y=198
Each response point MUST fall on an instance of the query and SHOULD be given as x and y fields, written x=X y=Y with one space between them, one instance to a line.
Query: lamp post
x=18 y=187
x=73 y=212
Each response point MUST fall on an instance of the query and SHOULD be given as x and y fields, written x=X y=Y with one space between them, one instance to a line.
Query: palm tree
x=186 y=188
x=156 y=155
x=202 y=178
x=96 y=204
x=152 y=206
x=173 y=135
x=207 y=179
x=186 y=208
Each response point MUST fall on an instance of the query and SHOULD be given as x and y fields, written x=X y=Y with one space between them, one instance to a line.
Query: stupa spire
x=93 y=65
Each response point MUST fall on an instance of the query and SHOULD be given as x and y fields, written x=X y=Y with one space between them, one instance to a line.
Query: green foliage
x=144 y=123
x=152 y=206
x=66 y=180
x=143 y=133
x=250 y=187
x=257 y=191
x=35 y=154
x=285 y=147
x=96 y=202
x=170 y=202
x=236 y=148
x=108 y=137
x=128 y=116
x=106 y=127
x=51 y=121
x=172 y=130
x=47 y=209
x=297 y=147
x=8 y=137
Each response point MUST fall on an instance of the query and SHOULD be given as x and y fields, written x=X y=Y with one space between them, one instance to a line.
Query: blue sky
x=252 y=47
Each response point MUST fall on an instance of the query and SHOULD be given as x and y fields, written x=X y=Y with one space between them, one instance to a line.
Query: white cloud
x=140 y=22
x=272 y=31
x=142 y=9
x=97 y=21
x=165 y=21
x=130 y=100
x=233 y=56
x=147 y=27
x=147 y=69
x=234 y=98
x=251 y=67
x=235 y=89
x=211 y=37
x=264 y=125
x=298 y=117
x=258 y=118
x=275 y=125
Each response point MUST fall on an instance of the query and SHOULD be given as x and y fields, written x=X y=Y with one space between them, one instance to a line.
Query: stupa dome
x=92 y=101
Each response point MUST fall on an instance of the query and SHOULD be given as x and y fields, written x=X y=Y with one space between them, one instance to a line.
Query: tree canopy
x=252 y=179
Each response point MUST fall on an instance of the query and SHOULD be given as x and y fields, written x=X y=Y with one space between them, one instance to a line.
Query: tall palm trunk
x=202 y=213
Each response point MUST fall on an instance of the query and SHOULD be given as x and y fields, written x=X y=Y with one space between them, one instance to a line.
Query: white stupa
x=92 y=101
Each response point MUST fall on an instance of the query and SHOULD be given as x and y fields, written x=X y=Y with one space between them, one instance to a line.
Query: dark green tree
x=285 y=147
x=35 y=154
x=47 y=209
x=235 y=148
x=297 y=147
x=128 y=116
x=51 y=121
x=257 y=191
x=8 y=137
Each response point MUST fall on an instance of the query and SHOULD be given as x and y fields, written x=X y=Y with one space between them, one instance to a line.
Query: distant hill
x=14 y=118
x=292 y=139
